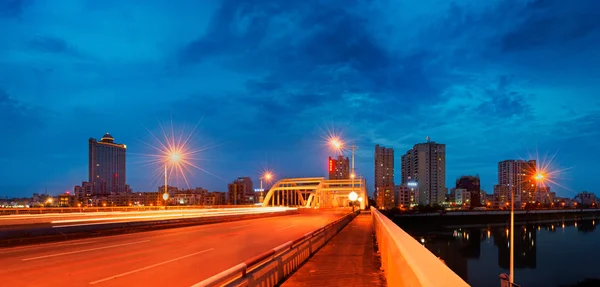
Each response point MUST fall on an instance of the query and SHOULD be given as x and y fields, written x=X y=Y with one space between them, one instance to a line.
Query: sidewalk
x=347 y=260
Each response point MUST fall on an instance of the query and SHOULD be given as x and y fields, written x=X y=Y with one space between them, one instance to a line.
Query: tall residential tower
x=384 y=176
x=106 y=165
x=425 y=166
x=517 y=176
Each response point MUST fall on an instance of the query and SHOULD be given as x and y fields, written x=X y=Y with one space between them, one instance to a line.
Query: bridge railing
x=405 y=261
x=43 y=210
x=272 y=266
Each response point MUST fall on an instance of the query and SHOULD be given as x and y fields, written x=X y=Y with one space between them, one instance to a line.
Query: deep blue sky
x=493 y=80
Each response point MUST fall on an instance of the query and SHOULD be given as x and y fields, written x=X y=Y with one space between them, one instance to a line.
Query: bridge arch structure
x=316 y=192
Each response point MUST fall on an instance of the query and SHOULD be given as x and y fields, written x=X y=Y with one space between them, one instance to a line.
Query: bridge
x=307 y=235
x=316 y=192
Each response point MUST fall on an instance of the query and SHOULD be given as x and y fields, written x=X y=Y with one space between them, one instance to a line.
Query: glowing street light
x=338 y=145
x=353 y=196
x=268 y=176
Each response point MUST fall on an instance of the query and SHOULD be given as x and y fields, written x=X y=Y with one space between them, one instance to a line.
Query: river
x=548 y=254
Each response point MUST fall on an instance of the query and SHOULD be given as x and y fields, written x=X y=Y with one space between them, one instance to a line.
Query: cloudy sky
x=493 y=80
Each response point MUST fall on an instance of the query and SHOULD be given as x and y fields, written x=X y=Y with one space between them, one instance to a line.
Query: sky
x=267 y=80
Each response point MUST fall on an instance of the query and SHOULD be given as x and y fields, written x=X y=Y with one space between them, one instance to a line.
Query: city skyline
x=468 y=74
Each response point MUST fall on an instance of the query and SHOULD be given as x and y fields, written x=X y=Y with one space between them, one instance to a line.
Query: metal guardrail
x=269 y=268
x=405 y=261
x=43 y=210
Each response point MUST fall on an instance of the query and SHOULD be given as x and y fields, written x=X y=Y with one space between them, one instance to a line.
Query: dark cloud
x=53 y=45
x=503 y=102
x=12 y=8
x=552 y=23
x=17 y=118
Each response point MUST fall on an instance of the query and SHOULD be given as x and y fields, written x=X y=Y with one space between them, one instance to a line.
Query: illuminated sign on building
x=411 y=184
x=330 y=165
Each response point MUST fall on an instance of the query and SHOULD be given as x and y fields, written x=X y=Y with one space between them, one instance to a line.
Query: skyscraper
x=339 y=168
x=384 y=176
x=106 y=165
x=425 y=166
x=518 y=177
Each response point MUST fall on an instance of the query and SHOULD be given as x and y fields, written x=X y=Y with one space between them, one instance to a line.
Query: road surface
x=171 y=257
x=57 y=220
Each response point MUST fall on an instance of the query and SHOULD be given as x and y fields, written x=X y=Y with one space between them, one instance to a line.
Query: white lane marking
x=85 y=250
x=28 y=248
x=148 y=267
x=280 y=229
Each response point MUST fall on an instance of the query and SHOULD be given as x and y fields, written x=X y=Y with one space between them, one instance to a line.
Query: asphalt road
x=57 y=220
x=171 y=257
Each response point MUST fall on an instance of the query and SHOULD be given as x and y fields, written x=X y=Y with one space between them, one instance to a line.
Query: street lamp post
x=165 y=194
x=339 y=145
x=267 y=176
x=173 y=158
x=352 y=197
x=512 y=236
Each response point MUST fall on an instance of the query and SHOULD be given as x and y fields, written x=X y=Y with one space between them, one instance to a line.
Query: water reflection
x=458 y=246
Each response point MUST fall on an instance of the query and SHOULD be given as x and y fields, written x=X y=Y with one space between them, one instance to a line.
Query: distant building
x=386 y=197
x=462 y=197
x=402 y=196
x=106 y=166
x=83 y=192
x=425 y=164
x=544 y=196
x=66 y=200
x=384 y=176
x=241 y=191
x=195 y=196
x=518 y=177
x=215 y=198
x=472 y=185
x=339 y=168
x=586 y=198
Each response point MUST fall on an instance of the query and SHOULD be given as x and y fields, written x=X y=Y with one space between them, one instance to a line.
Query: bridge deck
x=347 y=260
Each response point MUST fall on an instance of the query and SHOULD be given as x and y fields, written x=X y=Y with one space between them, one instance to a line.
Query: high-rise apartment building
x=425 y=166
x=384 y=176
x=106 y=165
x=241 y=191
x=518 y=177
x=339 y=168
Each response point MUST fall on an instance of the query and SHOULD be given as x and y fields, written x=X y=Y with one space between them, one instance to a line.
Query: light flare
x=176 y=153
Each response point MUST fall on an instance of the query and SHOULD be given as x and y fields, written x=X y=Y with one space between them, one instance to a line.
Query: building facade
x=473 y=186
x=586 y=198
x=384 y=176
x=106 y=166
x=425 y=165
x=241 y=192
x=339 y=168
x=215 y=198
x=518 y=177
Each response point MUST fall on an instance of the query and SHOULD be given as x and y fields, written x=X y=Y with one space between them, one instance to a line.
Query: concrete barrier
x=405 y=261
x=271 y=267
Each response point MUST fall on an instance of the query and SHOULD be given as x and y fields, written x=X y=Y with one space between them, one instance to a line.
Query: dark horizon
x=492 y=80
